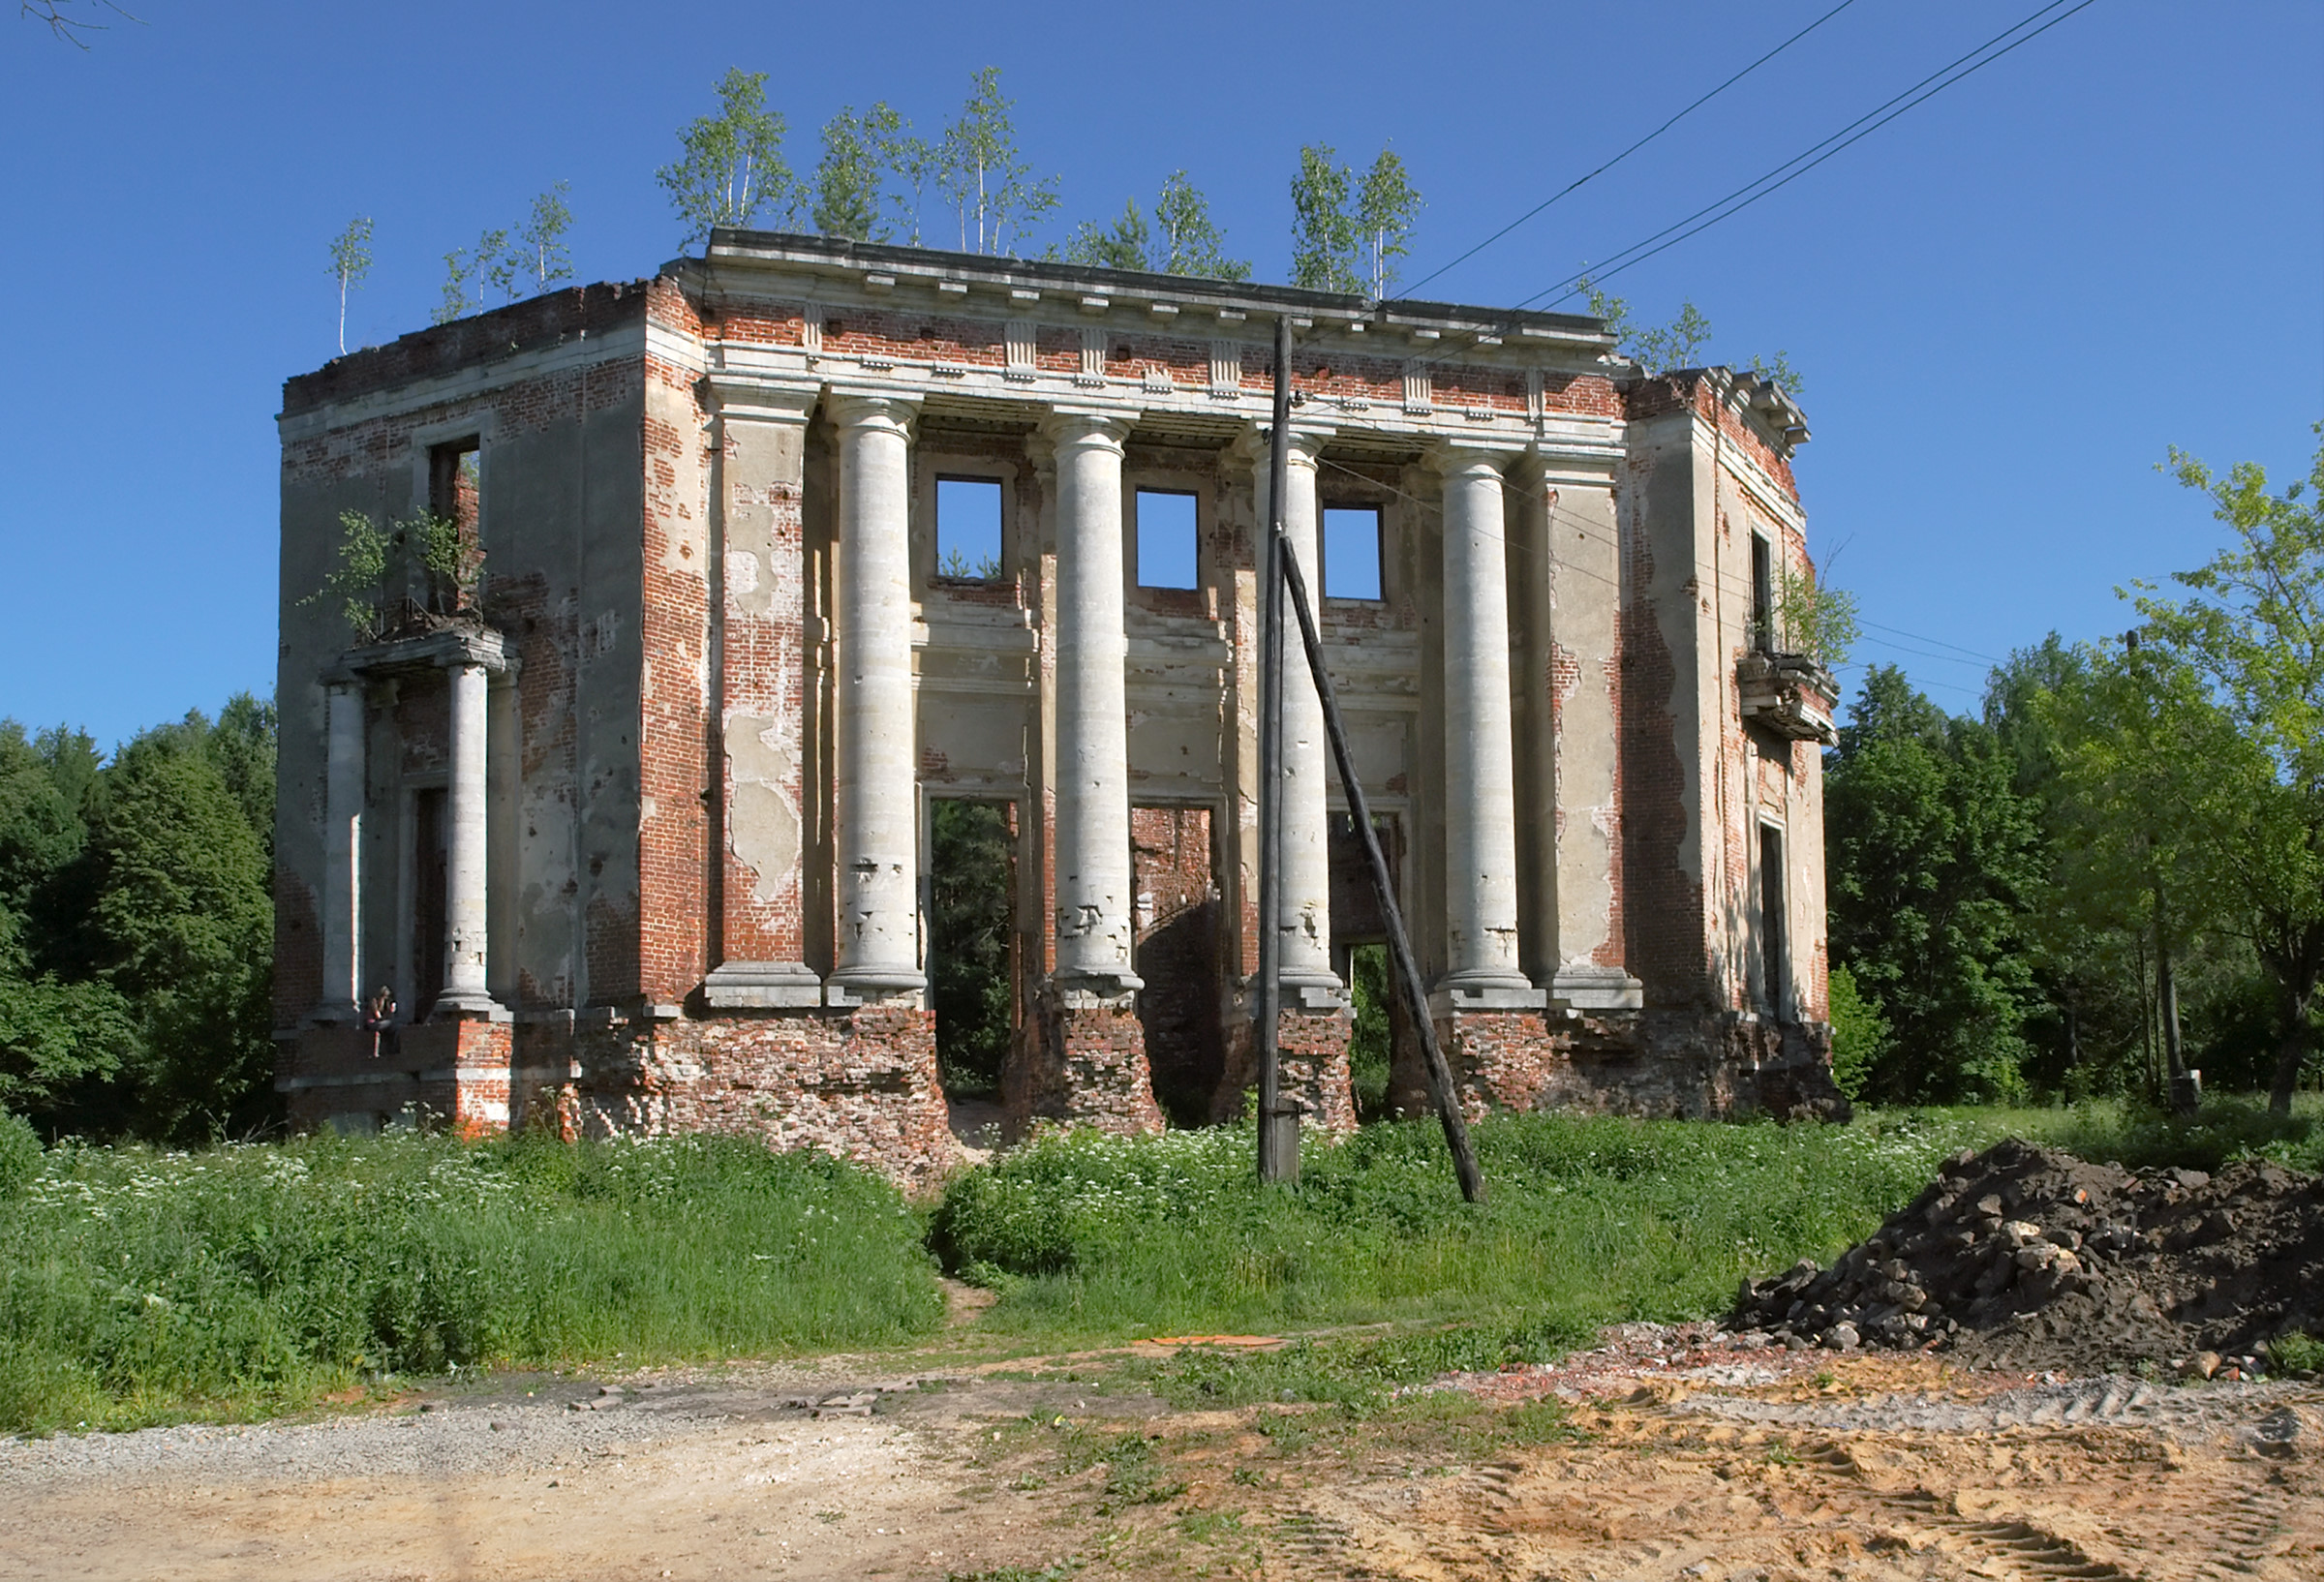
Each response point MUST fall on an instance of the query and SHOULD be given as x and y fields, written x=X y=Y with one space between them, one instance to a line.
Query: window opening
x=1352 y=552
x=1762 y=594
x=971 y=942
x=968 y=528
x=1774 y=966
x=441 y=575
x=1167 y=540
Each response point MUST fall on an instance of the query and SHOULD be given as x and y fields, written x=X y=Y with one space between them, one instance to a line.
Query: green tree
x=1324 y=235
x=351 y=262
x=1121 y=247
x=732 y=163
x=2130 y=736
x=544 y=254
x=1679 y=344
x=1930 y=854
x=455 y=302
x=499 y=265
x=2251 y=629
x=184 y=928
x=846 y=198
x=1386 y=205
x=988 y=180
x=242 y=747
x=2087 y=964
x=54 y=1034
x=913 y=160
x=1189 y=242
x=1778 y=372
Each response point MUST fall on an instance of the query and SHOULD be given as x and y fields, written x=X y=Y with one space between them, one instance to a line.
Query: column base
x=1082 y=1061
x=1312 y=991
x=1587 y=986
x=1485 y=991
x=1095 y=991
x=762 y=986
x=468 y=1005
x=852 y=987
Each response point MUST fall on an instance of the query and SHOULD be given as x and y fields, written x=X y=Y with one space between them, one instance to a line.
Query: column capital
x=1457 y=459
x=860 y=409
x=743 y=397
x=1086 y=426
x=1307 y=442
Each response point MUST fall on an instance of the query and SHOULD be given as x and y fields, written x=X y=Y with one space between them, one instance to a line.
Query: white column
x=468 y=848
x=342 y=856
x=1480 y=831
x=875 y=822
x=1304 y=916
x=1095 y=936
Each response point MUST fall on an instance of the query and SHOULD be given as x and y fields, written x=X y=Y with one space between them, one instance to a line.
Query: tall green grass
x=1589 y=1221
x=139 y=1285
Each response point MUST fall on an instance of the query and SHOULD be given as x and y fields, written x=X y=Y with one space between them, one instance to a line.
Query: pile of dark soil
x=2025 y=1257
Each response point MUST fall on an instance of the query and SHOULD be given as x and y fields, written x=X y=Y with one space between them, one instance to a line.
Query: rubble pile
x=2023 y=1257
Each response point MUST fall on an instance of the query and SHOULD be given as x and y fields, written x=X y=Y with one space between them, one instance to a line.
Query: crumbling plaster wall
x=552 y=390
x=1698 y=781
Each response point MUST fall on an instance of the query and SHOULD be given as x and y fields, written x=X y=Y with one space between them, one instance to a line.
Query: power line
x=1940 y=641
x=1574 y=185
x=1743 y=196
x=1922 y=653
x=1572 y=283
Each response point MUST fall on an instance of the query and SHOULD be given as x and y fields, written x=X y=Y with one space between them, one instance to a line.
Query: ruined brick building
x=636 y=835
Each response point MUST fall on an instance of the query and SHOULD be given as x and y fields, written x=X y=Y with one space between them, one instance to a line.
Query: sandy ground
x=1670 y=1464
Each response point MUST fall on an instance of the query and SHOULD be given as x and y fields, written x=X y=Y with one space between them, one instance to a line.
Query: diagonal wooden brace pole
x=1408 y=971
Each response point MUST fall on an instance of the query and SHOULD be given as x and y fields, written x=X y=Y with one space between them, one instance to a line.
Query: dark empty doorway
x=971 y=941
x=429 y=926
x=1384 y=1052
x=1178 y=959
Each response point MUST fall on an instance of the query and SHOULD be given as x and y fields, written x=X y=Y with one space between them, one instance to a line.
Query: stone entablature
x=686 y=792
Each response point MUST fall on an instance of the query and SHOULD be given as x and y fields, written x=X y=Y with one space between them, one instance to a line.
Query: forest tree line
x=2115 y=870
x=136 y=929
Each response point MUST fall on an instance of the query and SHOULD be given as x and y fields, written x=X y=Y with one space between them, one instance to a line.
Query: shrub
x=19 y=1153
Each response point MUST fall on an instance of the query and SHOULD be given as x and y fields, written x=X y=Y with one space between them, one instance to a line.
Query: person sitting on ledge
x=379 y=1020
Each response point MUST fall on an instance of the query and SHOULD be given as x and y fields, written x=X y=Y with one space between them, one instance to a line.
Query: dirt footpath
x=1650 y=1459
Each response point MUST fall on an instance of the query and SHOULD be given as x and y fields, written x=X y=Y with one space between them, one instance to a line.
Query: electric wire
x=1572 y=283
x=1938 y=641
x=1767 y=184
x=1579 y=181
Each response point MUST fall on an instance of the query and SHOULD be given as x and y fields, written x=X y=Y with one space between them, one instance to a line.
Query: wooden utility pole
x=1279 y=1123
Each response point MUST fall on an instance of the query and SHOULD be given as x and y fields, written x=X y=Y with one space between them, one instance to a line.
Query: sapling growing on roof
x=351 y=262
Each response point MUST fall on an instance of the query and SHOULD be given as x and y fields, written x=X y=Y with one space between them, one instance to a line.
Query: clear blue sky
x=2004 y=306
